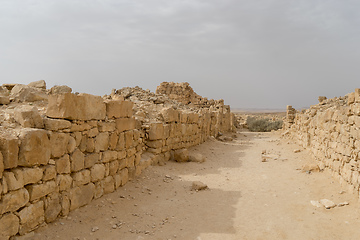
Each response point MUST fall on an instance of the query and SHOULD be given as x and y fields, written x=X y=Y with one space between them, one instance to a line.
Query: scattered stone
x=297 y=150
x=94 y=229
x=316 y=204
x=342 y=204
x=327 y=203
x=196 y=157
x=198 y=186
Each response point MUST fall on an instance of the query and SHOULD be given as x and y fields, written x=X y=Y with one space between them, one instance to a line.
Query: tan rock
x=31 y=217
x=121 y=142
x=181 y=155
x=1 y=165
x=125 y=124
x=198 y=186
x=156 y=131
x=14 y=179
x=9 y=225
x=106 y=126
x=49 y=172
x=109 y=156
x=23 y=93
x=4 y=100
x=60 y=89
x=109 y=184
x=170 y=115
x=71 y=146
x=113 y=167
x=28 y=116
x=63 y=164
x=9 y=147
x=129 y=139
x=97 y=172
x=81 y=196
x=59 y=144
x=196 y=157
x=77 y=160
x=32 y=175
x=91 y=159
x=52 y=207
x=76 y=107
x=102 y=142
x=38 y=84
x=37 y=191
x=34 y=148
x=124 y=174
x=113 y=139
x=81 y=178
x=64 y=182
x=14 y=200
x=56 y=124
x=119 y=109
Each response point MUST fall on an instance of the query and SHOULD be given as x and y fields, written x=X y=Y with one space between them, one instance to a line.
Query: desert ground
x=260 y=186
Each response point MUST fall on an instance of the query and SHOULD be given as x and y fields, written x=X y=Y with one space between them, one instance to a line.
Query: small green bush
x=263 y=124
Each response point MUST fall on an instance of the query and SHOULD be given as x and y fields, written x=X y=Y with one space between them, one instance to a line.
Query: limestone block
x=28 y=116
x=106 y=126
x=59 y=143
x=99 y=189
x=130 y=161
x=129 y=139
x=4 y=100
x=9 y=225
x=31 y=217
x=79 y=127
x=76 y=107
x=77 y=160
x=97 y=172
x=81 y=178
x=63 y=164
x=65 y=203
x=14 y=200
x=64 y=182
x=196 y=157
x=121 y=142
x=71 y=146
x=170 y=115
x=102 y=142
x=109 y=156
x=155 y=144
x=91 y=159
x=125 y=124
x=93 y=132
x=113 y=167
x=49 y=172
x=1 y=166
x=124 y=174
x=32 y=175
x=38 y=84
x=14 y=179
x=156 y=131
x=121 y=154
x=9 y=147
x=181 y=155
x=119 y=109
x=90 y=145
x=37 y=191
x=60 y=89
x=23 y=93
x=117 y=179
x=130 y=152
x=357 y=95
x=113 y=139
x=34 y=147
x=52 y=207
x=56 y=124
x=81 y=196
x=109 y=184
x=78 y=137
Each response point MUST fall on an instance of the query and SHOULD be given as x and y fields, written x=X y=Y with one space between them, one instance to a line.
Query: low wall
x=83 y=147
x=331 y=131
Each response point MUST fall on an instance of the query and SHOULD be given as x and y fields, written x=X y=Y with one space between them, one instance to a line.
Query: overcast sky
x=251 y=53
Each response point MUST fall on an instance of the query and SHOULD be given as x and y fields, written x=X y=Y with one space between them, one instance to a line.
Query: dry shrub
x=263 y=124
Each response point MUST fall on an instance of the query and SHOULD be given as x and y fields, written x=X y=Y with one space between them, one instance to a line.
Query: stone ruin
x=331 y=131
x=60 y=150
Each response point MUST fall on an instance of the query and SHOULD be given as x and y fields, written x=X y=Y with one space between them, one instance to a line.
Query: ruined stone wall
x=331 y=131
x=59 y=154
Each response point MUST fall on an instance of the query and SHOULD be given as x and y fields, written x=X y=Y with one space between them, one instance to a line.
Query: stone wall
x=60 y=152
x=331 y=131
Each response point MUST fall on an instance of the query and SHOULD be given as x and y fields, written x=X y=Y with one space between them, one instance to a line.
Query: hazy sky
x=251 y=53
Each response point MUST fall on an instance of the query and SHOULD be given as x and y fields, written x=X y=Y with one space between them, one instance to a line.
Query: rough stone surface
x=31 y=217
x=80 y=196
x=181 y=155
x=198 y=186
x=14 y=200
x=37 y=191
x=9 y=225
x=9 y=147
x=28 y=116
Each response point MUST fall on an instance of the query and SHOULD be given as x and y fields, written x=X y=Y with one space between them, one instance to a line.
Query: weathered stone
x=4 y=100
x=93 y=132
x=37 y=191
x=23 y=93
x=14 y=200
x=81 y=178
x=97 y=172
x=34 y=148
x=76 y=107
x=124 y=175
x=60 y=89
x=9 y=147
x=64 y=182
x=32 y=175
x=119 y=109
x=106 y=126
x=99 y=190
x=1 y=165
x=63 y=164
x=59 y=144
x=125 y=124
x=80 y=196
x=181 y=155
x=52 y=207
x=109 y=156
x=77 y=161
x=327 y=203
x=9 y=225
x=28 y=116
x=56 y=124
x=14 y=179
x=156 y=131
x=196 y=157
x=38 y=84
x=91 y=159
x=121 y=142
x=71 y=146
x=102 y=142
x=65 y=203
x=170 y=115
x=31 y=217
x=109 y=184
x=198 y=186
x=49 y=172
x=113 y=139
x=114 y=166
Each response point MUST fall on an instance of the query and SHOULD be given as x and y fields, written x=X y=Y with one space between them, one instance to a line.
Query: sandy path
x=247 y=199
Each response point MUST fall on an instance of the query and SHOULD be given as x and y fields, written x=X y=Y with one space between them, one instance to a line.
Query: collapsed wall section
x=79 y=147
x=331 y=131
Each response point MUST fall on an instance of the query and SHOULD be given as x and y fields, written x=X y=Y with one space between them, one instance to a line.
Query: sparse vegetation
x=263 y=124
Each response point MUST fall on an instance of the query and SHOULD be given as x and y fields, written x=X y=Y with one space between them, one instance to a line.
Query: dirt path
x=246 y=199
